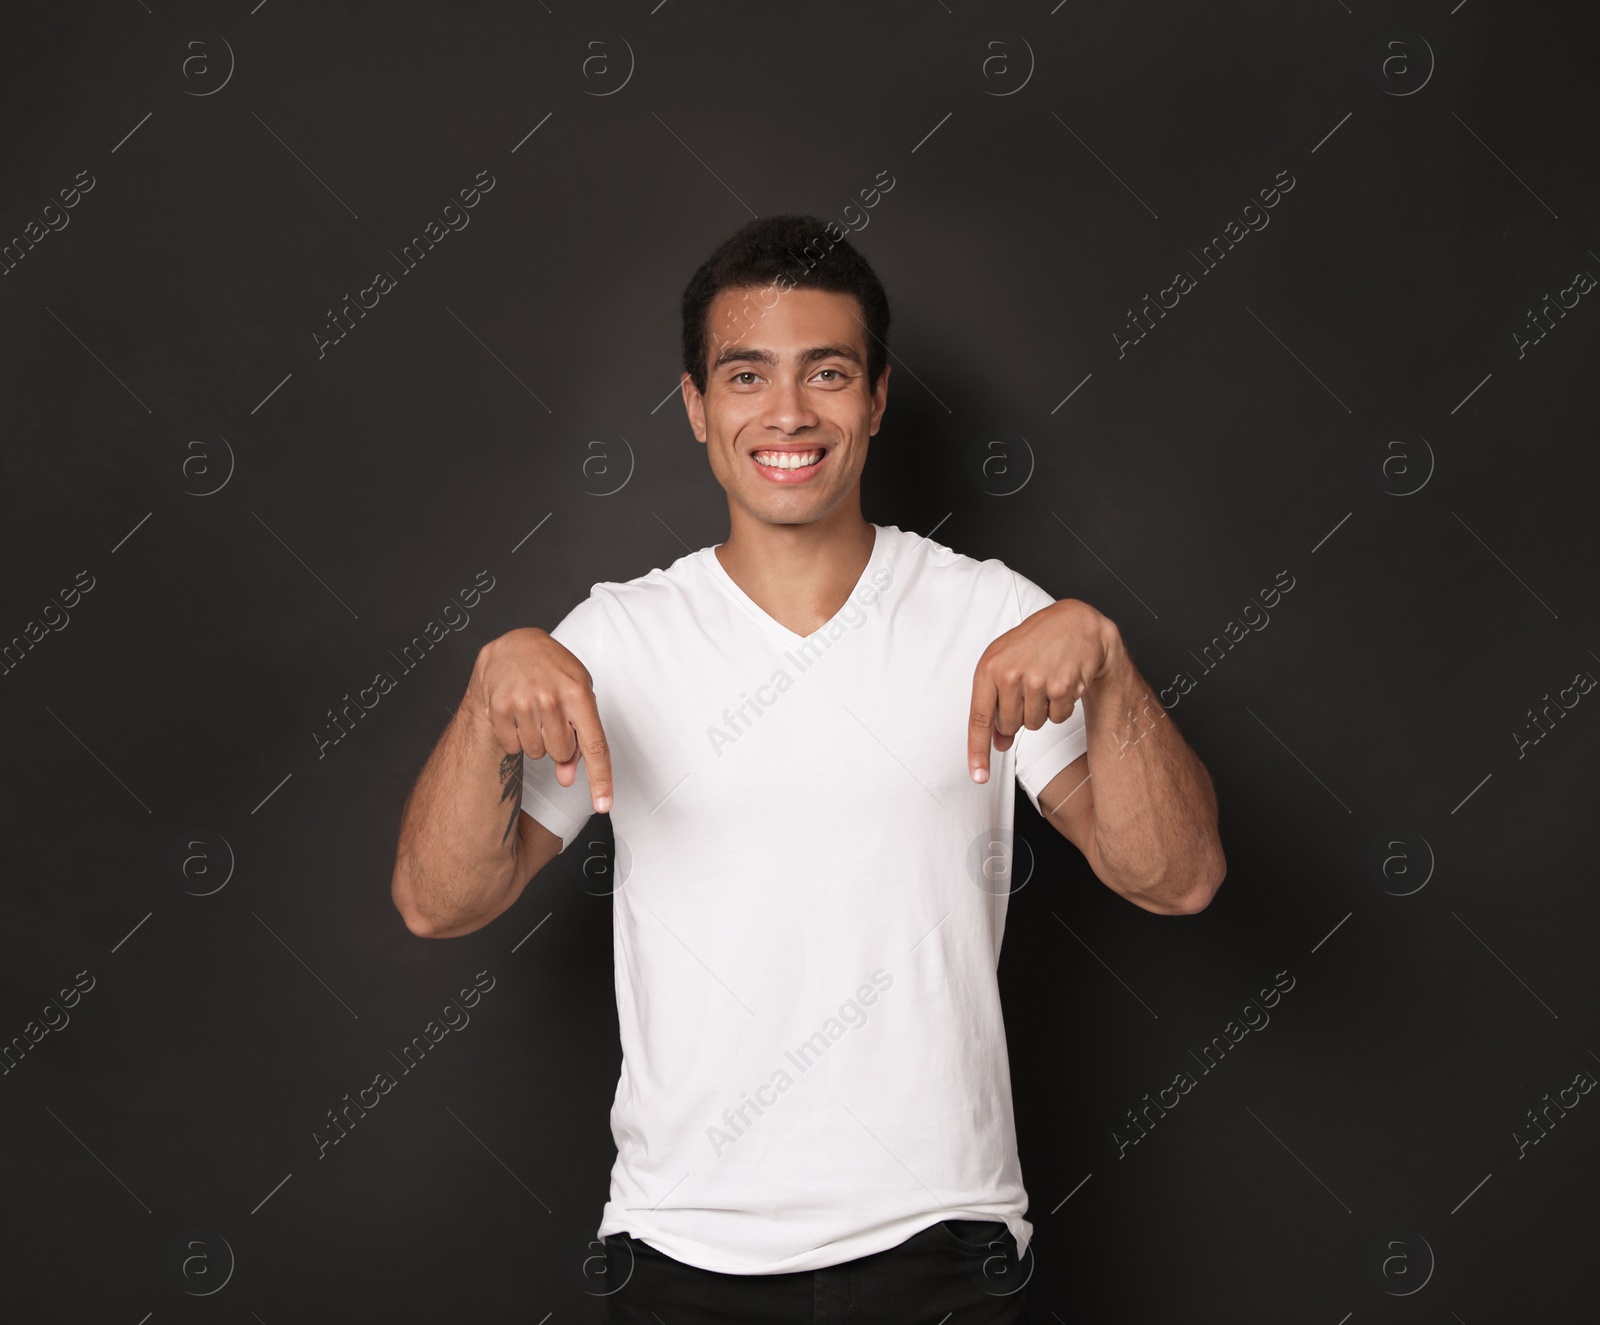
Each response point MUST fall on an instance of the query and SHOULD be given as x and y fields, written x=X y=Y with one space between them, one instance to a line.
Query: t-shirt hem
x=558 y=821
x=1050 y=762
x=701 y=1256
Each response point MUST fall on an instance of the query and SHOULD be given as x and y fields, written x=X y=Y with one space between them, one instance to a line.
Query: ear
x=880 y=400
x=694 y=406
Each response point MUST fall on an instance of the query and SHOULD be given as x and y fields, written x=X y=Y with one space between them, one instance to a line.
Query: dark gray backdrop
x=1380 y=392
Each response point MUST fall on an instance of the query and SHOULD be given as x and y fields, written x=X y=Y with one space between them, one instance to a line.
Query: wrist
x=1118 y=666
x=473 y=711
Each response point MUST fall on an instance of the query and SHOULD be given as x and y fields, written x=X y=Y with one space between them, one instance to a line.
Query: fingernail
x=980 y=774
x=602 y=804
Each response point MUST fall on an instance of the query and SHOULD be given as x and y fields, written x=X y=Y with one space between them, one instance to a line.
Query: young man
x=809 y=734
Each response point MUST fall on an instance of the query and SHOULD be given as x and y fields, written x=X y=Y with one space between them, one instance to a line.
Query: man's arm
x=1139 y=803
x=464 y=857
x=1148 y=827
x=467 y=849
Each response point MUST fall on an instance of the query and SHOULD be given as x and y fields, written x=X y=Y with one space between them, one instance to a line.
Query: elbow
x=423 y=927
x=434 y=924
x=1207 y=879
x=400 y=894
x=1193 y=902
x=1181 y=891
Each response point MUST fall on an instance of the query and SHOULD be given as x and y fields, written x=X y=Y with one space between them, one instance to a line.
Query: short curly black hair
x=783 y=252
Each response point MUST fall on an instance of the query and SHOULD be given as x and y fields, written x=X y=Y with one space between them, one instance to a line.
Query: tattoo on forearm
x=511 y=789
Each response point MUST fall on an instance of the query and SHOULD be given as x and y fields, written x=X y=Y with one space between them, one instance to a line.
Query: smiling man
x=809 y=738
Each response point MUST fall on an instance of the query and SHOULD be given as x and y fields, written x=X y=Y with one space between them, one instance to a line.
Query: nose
x=787 y=408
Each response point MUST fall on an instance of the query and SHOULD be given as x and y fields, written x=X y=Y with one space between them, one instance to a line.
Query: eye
x=746 y=373
x=834 y=371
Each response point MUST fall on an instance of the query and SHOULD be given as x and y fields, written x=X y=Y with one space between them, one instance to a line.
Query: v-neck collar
x=759 y=614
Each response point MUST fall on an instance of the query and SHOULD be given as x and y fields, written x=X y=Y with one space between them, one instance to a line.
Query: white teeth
x=787 y=459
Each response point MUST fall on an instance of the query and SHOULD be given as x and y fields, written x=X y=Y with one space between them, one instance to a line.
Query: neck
x=798 y=574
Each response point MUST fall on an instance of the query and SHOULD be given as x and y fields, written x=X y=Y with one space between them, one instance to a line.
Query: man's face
x=786 y=385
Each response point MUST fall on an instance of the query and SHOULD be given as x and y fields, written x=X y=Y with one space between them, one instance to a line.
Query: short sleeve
x=1041 y=754
x=565 y=810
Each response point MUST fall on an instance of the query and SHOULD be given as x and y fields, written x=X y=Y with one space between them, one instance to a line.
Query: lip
x=787 y=476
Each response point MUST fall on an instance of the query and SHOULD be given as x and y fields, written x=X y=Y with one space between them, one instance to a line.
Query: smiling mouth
x=789 y=466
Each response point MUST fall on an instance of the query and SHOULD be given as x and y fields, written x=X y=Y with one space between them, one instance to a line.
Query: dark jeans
x=959 y=1270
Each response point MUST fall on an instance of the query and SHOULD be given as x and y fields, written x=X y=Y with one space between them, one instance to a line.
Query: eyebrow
x=752 y=355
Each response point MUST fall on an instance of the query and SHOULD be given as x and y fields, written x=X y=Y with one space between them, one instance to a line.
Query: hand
x=538 y=699
x=1035 y=673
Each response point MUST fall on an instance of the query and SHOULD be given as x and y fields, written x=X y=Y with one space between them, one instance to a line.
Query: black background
x=1357 y=1159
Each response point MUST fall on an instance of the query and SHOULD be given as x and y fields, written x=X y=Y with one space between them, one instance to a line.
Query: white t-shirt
x=808 y=905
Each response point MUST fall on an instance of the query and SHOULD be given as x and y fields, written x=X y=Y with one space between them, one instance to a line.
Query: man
x=809 y=733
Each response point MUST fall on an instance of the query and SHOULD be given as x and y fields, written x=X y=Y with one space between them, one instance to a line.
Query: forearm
x=1155 y=809
x=458 y=836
